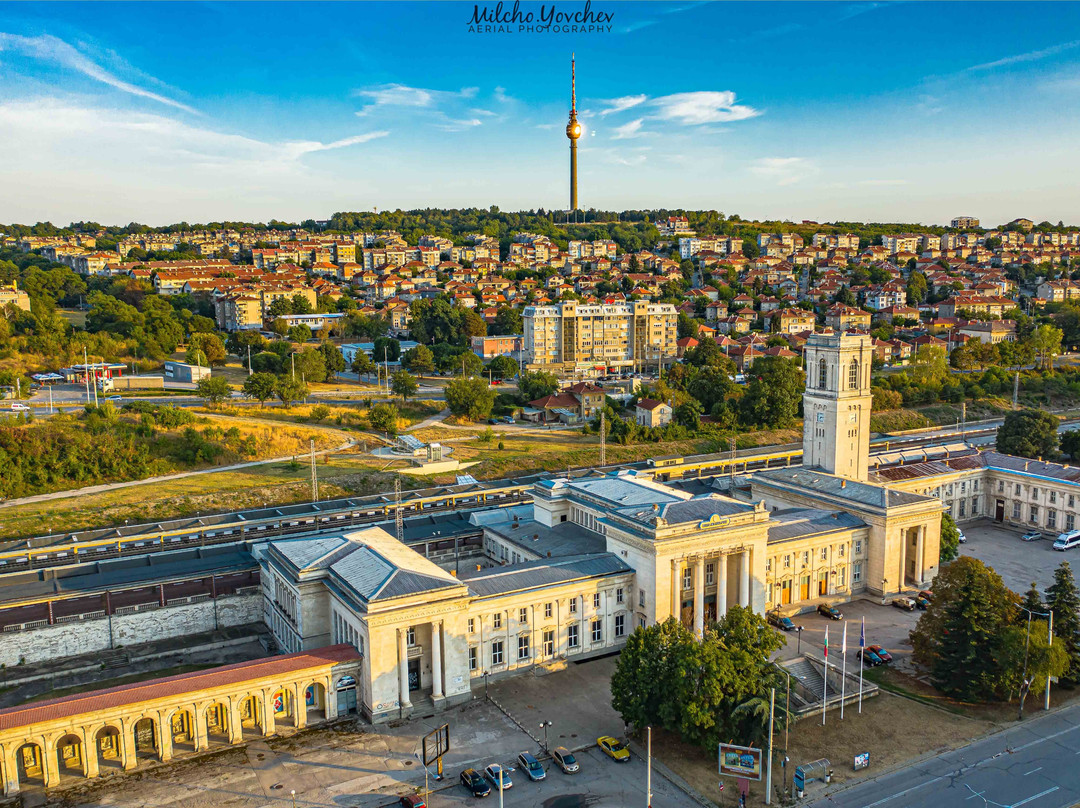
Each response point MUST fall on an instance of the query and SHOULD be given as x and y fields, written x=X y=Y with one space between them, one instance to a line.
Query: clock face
x=821 y=417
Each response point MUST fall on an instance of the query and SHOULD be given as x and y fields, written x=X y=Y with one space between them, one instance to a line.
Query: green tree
x=1045 y=341
x=950 y=538
x=639 y=685
x=280 y=306
x=709 y=385
x=507 y=321
x=1063 y=600
x=502 y=367
x=470 y=363
x=536 y=384
x=384 y=417
x=299 y=333
x=310 y=366
x=1029 y=433
x=362 y=364
x=211 y=346
x=260 y=386
x=279 y=326
x=419 y=359
x=403 y=384
x=1070 y=443
x=301 y=305
x=774 y=393
x=470 y=398
x=688 y=414
x=1019 y=651
x=1033 y=601
x=290 y=390
x=957 y=635
x=213 y=389
x=333 y=360
x=916 y=288
x=386 y=350
x=929 y=366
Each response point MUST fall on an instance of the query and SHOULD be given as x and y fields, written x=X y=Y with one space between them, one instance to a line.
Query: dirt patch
x=891 y=728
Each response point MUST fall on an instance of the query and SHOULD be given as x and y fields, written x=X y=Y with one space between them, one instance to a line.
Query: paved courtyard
x=1017 y=562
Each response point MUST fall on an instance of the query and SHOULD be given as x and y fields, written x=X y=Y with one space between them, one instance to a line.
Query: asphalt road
x=1035 y=763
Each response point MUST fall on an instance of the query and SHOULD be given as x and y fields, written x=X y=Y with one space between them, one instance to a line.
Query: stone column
x=676 y=589
x=236 y=727
x=165 y=746
x=330 y=705
x=699 y=597
x=921 y=570
x=403 y=668
x=436 y=660
x=721 y=585
x=10 y=772
x=127 y=745
x=201 y=741
x=903 y=559
x=90 y=753
x=299 y=706
x=744 y=582
x=269 y=718
x=49 y=763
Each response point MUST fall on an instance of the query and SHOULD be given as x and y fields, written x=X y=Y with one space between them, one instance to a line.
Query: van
x=18 y=406
x=1067 y=540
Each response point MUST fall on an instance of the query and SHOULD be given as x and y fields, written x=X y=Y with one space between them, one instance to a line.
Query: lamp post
x=544 y=726
x=293 y=795
x=1025 y=683
x=798 y=632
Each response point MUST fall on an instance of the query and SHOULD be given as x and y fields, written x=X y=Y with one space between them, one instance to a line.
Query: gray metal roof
x=797 y=523
x=364 y=571
x=306 y=554
x=542 y=573
x=1057 y=471
x=622 y=491
x=697 y=509
x=818 y=482
x=564 y=539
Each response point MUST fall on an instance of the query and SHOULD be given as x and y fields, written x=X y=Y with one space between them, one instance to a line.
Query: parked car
x=494 y=771
x=963 y=538
x=921 y=602
x=564 y=759
x=869 y=658
x=1031 y=535
x=412 y=801
x=506 y=419
x=881 y=653
x=474 y=783
x=926 y=593
x=533 y=769
x=493 y=420
x=113 y=398
x=907 y=604
x=781 y=622
x=1067 y=540
x=18 y=406
x=830 y=612
x=613 y=749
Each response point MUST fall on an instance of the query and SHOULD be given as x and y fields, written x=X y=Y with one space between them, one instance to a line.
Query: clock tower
x=836 y=404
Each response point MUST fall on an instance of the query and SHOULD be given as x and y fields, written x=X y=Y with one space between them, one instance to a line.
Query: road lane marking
x=1033 y=771
x=884 y=800
x=975 y=794
x=1034 y=797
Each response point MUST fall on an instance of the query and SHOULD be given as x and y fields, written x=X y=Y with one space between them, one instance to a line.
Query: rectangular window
x=1016 y=510
x=549 y=643
x=710 y=574
x=858 y=547
x=1051 y=518
x=1070 y=521
x=856 y=572
x=523 y=615
x=641 y=621
x=768 y=565
x=1017 y=492
x=962 y=503
x=497 y=652
x=472 y=625
x=472 y=657
x=597 y=630
x=1034 y=492
x=974 y=506
x=787 y=561
x=620 y=625
x=596 y=601
x=1034 y=515
x=824 y=553
x=1053 y=497
x=496 y=620
x=1001 y=486
x=572 y=636
x=619 y=595
x=573 y=605
x=806 y=557
x=641 y=598
x=410 y=637
x=547 y=610
x=687 y=579
x=523 y=646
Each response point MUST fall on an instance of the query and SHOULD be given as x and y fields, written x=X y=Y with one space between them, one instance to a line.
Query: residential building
x=650 y=412
x=964 y=222
x=12 y=295
x=845 y=318
x=491 y=346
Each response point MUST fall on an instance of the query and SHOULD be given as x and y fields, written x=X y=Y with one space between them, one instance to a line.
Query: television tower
x=573 y=131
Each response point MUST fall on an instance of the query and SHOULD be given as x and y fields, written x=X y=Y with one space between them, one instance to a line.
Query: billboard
x=740 y=761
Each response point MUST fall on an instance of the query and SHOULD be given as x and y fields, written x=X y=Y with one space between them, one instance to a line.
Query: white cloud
x=1030 y=56
x=401 y=95
x=624 y=103
x=629 y=130
x=784 y=170
x=49 y=48
x=882 y=182
x=452 y=125
x=702 y=107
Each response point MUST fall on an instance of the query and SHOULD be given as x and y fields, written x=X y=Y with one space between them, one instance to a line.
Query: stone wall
x=102 y=633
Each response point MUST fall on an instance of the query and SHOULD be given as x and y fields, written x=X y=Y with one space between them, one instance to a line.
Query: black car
x=830 y=612
x=475 y=783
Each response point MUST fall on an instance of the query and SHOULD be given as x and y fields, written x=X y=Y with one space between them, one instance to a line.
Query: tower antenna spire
x=573 y=83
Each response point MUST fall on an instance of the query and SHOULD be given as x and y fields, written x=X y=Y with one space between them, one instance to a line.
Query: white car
x=18 y=406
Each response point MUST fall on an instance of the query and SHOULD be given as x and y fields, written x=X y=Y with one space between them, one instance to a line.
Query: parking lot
x=1017 y=562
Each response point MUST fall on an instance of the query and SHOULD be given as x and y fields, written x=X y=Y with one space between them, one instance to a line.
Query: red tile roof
x=117 y=697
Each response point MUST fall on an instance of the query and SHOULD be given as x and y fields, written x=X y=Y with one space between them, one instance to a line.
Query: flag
x=826 y=643
x=862 y=634
x=843 y=642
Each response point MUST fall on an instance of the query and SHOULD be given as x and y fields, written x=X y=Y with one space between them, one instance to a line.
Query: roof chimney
x=843 y=483
x=1026 y=464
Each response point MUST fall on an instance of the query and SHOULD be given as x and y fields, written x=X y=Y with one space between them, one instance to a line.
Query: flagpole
x=843 y=670
x=825 y=678
x=862 y=654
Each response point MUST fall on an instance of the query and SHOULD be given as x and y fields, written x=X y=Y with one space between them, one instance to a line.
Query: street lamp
x=544 y=726
x=1025 y=683
x=798 y=632
x=293 y=795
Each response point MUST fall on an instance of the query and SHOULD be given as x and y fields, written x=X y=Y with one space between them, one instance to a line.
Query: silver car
x=564 y=759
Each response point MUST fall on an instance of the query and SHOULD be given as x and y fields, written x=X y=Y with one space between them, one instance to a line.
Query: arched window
x=821 y=374
x=853 y=374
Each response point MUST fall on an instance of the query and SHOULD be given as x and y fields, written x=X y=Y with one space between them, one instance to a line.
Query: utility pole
x=314 y=474
x=603 y=439
x=1049 y=643
x=399 y=522
x=768 y=770
x=648 y=767
x=963 y=418
x=731 y=468
x=86 y=373
x=249 y=360
x=1016 y=390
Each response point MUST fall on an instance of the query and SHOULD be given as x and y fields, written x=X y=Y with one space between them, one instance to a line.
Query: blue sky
x=161 y=112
